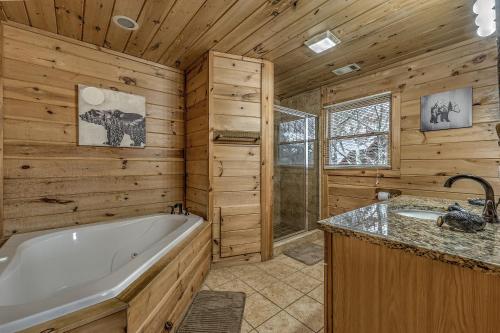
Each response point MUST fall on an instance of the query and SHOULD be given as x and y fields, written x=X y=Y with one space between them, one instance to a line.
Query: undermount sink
x=419 y=214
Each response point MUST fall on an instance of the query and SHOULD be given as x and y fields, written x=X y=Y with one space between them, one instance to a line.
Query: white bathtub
x=44 y=275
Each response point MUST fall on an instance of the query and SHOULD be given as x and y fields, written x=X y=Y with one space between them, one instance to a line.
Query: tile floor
x=283 y=295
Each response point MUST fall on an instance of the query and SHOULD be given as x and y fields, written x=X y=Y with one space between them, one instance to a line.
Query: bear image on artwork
x=446 y=110
x=110 y=118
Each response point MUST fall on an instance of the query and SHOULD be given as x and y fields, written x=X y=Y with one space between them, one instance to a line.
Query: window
x=293 y=140
x=359 y=133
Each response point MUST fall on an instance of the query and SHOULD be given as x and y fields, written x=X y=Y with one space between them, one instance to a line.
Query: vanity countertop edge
x=380 y=224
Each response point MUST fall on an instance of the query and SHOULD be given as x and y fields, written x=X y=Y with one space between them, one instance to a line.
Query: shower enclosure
x=296 y=172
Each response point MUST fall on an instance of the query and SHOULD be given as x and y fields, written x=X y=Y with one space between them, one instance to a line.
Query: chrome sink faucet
x=490 y=206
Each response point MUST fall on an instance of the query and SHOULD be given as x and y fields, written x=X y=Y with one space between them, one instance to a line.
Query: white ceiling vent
x=347 y=69
x=125 y=22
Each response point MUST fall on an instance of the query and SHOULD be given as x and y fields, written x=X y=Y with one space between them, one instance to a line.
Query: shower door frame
x=316 y=158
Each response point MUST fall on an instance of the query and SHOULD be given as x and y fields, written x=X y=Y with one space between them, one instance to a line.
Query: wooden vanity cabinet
x=371 y=288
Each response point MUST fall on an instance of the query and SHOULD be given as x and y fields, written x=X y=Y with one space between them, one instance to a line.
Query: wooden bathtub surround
x=162 y=294
x=231 y=184
x=165 y=296
x=371 y=288
x=109 y=316
x=51 y=182
x=427 y=158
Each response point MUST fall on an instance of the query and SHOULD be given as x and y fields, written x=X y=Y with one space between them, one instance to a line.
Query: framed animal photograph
x=110 y=118
x=446 y=110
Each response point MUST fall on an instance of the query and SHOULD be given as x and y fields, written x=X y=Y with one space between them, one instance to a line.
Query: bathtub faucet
x=177 y=206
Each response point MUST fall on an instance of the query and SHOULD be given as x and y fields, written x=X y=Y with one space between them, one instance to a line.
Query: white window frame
x=394 y=145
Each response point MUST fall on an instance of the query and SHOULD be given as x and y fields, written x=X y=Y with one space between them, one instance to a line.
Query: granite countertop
x=379 y=224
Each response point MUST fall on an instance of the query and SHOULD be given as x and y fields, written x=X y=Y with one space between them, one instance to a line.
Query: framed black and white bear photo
x=446 y=110
x=110 y=118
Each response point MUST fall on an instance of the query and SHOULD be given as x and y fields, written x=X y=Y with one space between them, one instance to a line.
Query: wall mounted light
x=322 y=42
x=485 y=20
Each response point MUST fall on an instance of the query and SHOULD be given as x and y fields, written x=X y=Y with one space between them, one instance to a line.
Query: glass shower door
x=295 y=172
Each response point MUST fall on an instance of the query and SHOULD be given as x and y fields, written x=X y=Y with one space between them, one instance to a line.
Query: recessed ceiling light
x=125 y=22
x=322 y=42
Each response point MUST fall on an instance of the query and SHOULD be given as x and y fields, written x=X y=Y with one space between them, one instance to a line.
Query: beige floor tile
x=320 y=241
x=302 y=282
x=316 y=271
x=318 y=293
x=204 y=287
x=236 y=285
x=216 y=277
x=281 y=294
x=260 y=281
x=258 y=309
x=290 y=262
x=283 y=323
x=307 y=311
x=277 y=268
x=245 y=327
x=242 y=271
x=321 y=330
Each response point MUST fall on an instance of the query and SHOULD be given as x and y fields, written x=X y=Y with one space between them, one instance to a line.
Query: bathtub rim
x=13 y=242
x=180 y=240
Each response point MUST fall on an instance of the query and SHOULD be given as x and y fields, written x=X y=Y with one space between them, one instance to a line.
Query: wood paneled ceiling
x=374 y=33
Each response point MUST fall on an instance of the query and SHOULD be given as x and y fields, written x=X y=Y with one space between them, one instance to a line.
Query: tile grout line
x=299 y=319
x=279 y=278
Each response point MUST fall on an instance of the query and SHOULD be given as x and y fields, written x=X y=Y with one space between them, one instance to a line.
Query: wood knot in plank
x=128 y=80
x=479 y=59
x=56 y=201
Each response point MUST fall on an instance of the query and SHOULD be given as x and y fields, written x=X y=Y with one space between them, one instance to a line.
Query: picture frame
x=110 y=118
x=446 y=110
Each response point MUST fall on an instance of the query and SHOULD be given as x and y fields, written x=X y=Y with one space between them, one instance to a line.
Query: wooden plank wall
x=427 y=159
x=197 y=137
x=1 y=137
x=51 y=182
x=236 y=100
x=224 y=92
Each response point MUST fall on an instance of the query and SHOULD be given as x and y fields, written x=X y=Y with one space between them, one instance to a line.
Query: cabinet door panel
x=240 y=230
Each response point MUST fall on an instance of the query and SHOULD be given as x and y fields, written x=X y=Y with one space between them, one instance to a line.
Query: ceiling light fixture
x=485 y=20
x=322 y=42
x=125 y=22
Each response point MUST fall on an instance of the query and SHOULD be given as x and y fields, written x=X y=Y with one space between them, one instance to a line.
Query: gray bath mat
x=308 y=253
x=214 y=312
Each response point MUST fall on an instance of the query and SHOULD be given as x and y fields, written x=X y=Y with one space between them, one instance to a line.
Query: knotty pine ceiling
x=374 y=33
